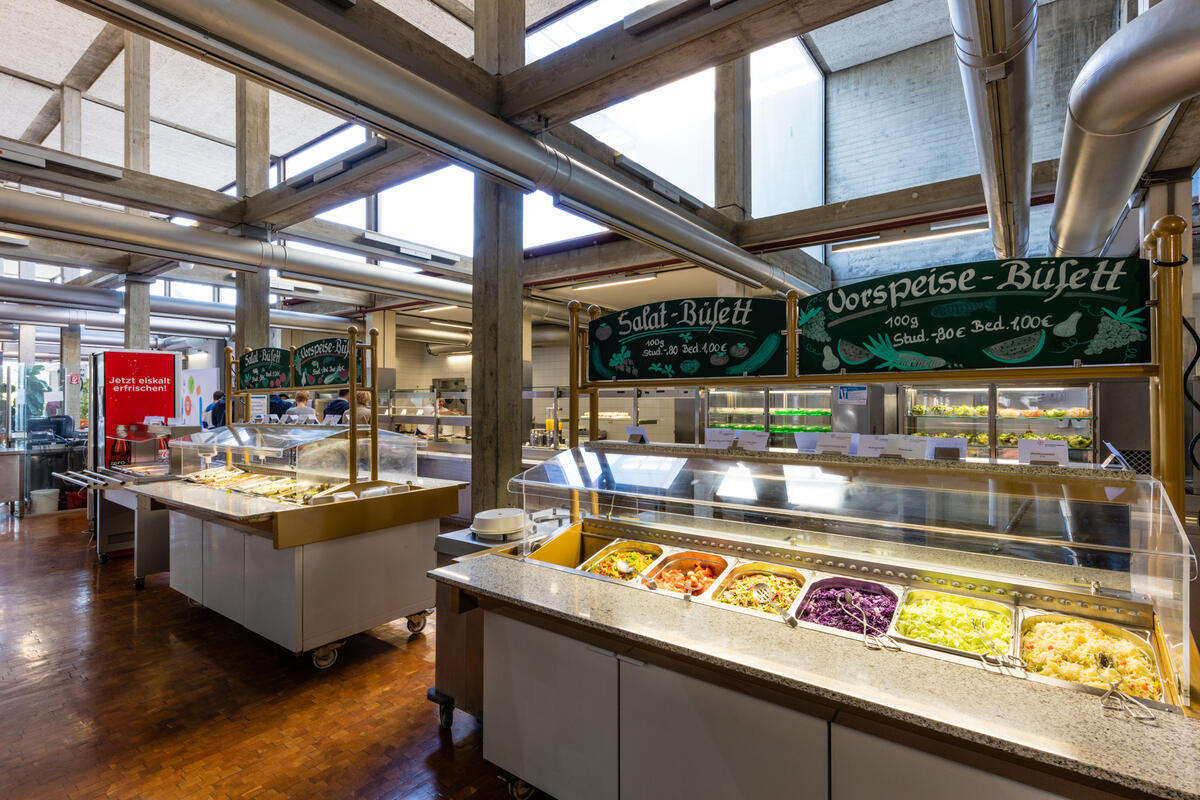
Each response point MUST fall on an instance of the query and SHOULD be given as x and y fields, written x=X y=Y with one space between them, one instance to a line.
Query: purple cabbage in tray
x=822 y=608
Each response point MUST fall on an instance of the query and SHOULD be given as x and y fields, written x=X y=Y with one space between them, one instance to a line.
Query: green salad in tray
x=954 y=622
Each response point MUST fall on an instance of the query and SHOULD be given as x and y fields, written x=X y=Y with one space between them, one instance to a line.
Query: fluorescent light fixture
x=435 y=309
x=13 y=240
x=608 y=284
x=450 y=325
x=888 y=241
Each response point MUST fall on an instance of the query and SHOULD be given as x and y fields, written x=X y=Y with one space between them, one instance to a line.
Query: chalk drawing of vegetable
x=719 y=359
x=739 y=350
x=852 y=353
x=765 y=352
x=1117 y=329
x=603 y=332
x=829 y=362
x=687 y=337
x=662 y=369
x=881 y=347
x=812 y=324
x=619 y=357
x=690 y=367
x=1066 y=328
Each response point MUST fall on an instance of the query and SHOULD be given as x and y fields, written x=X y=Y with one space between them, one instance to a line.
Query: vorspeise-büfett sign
x=1041 y=312
x=701 y=337
x=323 y=362
x=266 y=368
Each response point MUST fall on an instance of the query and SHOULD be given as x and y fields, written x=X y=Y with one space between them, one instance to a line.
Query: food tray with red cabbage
x=819 y=607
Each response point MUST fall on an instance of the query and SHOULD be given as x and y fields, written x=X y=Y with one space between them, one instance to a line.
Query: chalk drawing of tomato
x=603 y=332
x=719 y=359
x=739 y=350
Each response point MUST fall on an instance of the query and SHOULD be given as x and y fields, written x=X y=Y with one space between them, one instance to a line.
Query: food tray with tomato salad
x=689 y=572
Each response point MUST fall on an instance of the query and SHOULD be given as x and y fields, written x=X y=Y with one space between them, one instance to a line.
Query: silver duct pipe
x=996 y=45
x=108 y=320
x=543 y=336
x=179 y=343
x=281 y=47
x=51 y=218
x=448 y=349
x=91 y=338
x=1117 y=111
x=110 y=299
x=413 y=333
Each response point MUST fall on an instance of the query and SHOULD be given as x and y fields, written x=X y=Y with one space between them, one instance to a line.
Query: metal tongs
x=765 y=595
x=1116 y=700
x=995 y=656
x=871 y=641
x=625 y=568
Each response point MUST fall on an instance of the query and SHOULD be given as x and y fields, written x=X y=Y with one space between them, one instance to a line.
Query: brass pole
x=793 y=314
x=231 y=382
x=353 y=370
x=1150 y=245
x=374 y=338
x=1170 y=230
x=573 y=381
x=292 y=368
x=594 y=402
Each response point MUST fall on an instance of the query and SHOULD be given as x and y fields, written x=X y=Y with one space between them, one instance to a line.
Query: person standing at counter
x=214 y=412
x=363 y=417
x=302 y=410
x=339 y=406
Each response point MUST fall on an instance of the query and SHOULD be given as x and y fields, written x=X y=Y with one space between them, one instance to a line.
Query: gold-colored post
x=373 y=335
x=594 y=401
x=793 y=314
x=573 y=380
x=353 y=443
x=1150 y=246
x=231 y=379
x=1169 y=329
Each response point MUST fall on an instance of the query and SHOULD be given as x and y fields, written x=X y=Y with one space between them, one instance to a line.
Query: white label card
x=177 y=421
x=753 y=440
x=636 y=434
x=907 y=446
x=719 y=438
x=260 y=406
x=834 y=443
x=806 y=442
x=155 y=421
x=1052 y=451
x=331 y=419
x=870 y=446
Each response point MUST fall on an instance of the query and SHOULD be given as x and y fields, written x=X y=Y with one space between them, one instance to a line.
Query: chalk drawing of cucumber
x=882 y=348
x=852 y=353
x=598 y=365
x=829 y=362
x=1066 y=328
x=1018 y=350
x=761 y=356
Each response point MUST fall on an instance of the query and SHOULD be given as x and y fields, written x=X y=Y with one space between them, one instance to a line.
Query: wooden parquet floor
x=107 y=692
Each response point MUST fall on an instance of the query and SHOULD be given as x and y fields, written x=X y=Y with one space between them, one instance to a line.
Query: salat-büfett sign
x=265 y=368
x=1042 y=312
x=701 y=337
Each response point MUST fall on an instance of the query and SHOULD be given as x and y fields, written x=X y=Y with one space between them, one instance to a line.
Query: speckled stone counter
x=1050 y=725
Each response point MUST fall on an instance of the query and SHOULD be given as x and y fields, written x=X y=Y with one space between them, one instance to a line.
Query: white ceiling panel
x=43 y=38
x=20 y=102
x=103 y=134
x=294 y=123
x=434 y=21
x=184 y=157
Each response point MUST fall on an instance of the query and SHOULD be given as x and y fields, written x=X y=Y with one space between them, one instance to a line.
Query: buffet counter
x=927 y=725
x=452 y=461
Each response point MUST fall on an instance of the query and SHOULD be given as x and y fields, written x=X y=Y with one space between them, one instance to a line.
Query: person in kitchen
x=216 y=410
x=339 y=406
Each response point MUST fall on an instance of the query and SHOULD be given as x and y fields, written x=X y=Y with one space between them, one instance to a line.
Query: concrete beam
x=596 y=259
x=614 y=64
x=252 y=324
x=284 y=205
x=68 y=254
x=731 y=139
x=950 y=199
x=103 y=50
x=135 y=188
x=137 y=102
x=1179 y=149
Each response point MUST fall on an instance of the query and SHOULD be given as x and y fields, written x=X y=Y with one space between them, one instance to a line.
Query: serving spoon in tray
x=625 y=568
x=996 y=654
x=1114 y=699
x=765 y=595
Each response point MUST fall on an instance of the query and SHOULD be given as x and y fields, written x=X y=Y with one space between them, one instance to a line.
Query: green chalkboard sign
x=1043 y=312
x=323 y=362
x=702 y=337
x=266 y=368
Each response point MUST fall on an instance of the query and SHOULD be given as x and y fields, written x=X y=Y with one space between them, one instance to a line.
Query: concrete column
x=252 y=317
x=69 y=357
x=385 y=322
x=731 y=141
x=496 y=314
x=1174 y=198
x=71 y=141
x=137 y=102
x=27 y=344
x=137 y=311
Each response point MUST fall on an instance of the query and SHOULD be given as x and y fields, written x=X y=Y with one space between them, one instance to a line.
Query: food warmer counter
x=1015 y=632
x=265 y=530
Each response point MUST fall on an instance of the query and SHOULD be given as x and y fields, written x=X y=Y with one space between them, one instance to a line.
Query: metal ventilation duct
x=996 y=45
x=283 y=48
x=108 y=320
x=1119 y=107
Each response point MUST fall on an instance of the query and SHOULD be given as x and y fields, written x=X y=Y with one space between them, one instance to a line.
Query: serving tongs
x=995 y=656
x=765 y=595
x=871 y=641
x=1116 y=700
x=625 y=568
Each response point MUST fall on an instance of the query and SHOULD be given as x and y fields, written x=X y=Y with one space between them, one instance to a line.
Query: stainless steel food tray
x=1141 y=640
x=740 y=569
x=687 y=559
x=625 y=544
x=820 y=579
x=992 y=606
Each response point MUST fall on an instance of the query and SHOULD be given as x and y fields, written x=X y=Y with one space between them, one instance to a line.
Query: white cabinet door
x=550 y=710
x=273 y=591
x=187 y=555
x=683 y=737
x=862 y=765
x=224 y=571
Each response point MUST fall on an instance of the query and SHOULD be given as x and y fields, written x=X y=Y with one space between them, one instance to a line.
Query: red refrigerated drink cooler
x=131 y=385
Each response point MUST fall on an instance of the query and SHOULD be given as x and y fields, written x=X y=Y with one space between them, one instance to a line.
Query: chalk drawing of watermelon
x=852 y=353
x=1018 y=350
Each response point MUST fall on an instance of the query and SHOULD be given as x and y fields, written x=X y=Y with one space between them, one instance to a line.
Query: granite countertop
x=1044 y=723
x=219 y=502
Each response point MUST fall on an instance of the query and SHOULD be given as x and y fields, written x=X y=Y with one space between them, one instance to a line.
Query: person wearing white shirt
x=302 y=411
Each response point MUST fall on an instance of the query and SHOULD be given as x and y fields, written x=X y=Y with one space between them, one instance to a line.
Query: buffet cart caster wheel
x=104 y=558
x=416 y=622
x=195 y=603
x=446 y=716
x=139 y=583
x=326 y=659
x=520 y=790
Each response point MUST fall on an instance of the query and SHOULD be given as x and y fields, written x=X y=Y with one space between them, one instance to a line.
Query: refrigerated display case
x=739 y=409
x=994 y=418
x=929 y=595
x=795 y=411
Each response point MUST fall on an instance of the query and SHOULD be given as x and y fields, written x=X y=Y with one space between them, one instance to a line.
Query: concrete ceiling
x=890 y=28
